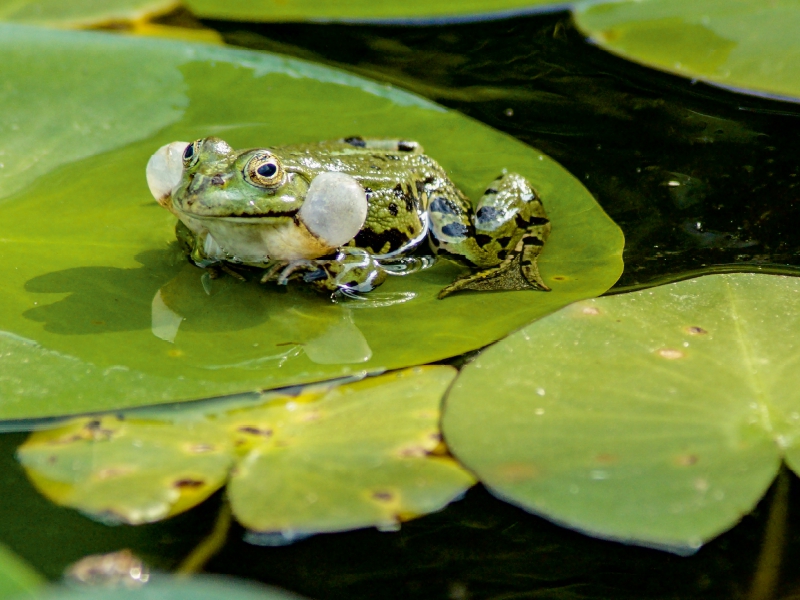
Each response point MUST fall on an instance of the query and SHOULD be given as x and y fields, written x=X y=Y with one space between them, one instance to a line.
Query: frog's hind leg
x=509 y=229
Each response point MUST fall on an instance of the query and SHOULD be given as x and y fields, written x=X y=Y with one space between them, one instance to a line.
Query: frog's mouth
x=281 y=217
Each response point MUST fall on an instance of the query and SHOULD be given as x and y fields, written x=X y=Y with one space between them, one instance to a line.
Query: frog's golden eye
x=264 y=170
x=191 y=154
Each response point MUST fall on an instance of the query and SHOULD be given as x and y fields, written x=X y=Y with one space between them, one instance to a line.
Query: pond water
x=700 y=179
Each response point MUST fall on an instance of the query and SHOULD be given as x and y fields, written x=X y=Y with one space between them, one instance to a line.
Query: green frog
x=342 y=215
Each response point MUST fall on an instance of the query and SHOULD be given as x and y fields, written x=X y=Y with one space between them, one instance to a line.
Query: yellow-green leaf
x=749 y=45
x=329 y=459
x=100 y=310
x=658 y=417
x=362 y=10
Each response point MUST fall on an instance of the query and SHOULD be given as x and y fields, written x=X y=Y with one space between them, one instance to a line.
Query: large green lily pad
x=17 y=578
x=361 y=10
x=329 y=459
x=749 y=45
x=658 y=417
x=101 y=311
x=81 y=13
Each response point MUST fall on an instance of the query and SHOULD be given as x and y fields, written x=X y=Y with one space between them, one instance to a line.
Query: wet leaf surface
x=657 y=417
x=329 y=459
x=17 y=578
x=742 y=44
x=363 y=10
x=102 y=312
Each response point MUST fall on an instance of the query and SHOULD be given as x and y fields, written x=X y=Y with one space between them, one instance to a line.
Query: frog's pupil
x=189 y=152
x=267 y=170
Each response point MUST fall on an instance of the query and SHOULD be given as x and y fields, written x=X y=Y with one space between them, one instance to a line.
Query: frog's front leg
x=502 y=238
x=351 y=272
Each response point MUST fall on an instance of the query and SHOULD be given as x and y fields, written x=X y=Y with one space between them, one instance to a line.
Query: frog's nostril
x=217 y=179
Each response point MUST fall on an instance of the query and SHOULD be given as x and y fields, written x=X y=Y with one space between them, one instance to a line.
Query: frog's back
x=397 y=177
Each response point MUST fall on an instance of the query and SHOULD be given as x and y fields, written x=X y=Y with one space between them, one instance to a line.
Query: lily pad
x=657 y=418
x=17 y=578
x=100 y=311
x=329 y=459
x=176 y=588
x=366 y=10
x=748 y=45
x=82 y=13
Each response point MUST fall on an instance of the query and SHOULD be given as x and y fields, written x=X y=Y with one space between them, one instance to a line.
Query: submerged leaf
x=82 y=13
x=17 y=578
x=749 y=45
x=658 y=417
x=202 y=587
x=101 y=311
x=329 y=459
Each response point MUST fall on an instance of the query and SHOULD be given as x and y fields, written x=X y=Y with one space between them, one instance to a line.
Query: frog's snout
x=202 y=183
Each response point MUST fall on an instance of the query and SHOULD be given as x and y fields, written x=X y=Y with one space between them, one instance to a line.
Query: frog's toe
x=518 y=272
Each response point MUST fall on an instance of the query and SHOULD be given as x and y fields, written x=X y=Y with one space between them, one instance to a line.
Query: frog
x=343 y=215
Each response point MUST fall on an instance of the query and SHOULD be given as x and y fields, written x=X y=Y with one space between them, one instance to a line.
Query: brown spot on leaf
x=670 y=353
x=514 y=472
x=694 y=330
x=412 y=452
x=383 y=496
x=201 y=448
x=605 y=458
x=189 y=483
x=112 y=472
x=558 y=278
x=686 y=460
x=253 y=430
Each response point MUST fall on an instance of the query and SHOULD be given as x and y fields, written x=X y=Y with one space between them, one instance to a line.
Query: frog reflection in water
x=341 y=215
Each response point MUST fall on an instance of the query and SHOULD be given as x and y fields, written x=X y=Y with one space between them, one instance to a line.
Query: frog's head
x=207 y=179
x=215 y=181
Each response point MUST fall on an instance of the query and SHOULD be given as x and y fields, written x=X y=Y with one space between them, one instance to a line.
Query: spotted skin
x=410 y=199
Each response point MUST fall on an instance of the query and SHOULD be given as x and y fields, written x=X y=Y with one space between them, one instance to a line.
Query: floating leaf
x=658 y=417
x=749 y=45
x=174 y=588
x=364 y=10
x=333 y=458
x=17 y=578
x=82 y=13
x=100 y=310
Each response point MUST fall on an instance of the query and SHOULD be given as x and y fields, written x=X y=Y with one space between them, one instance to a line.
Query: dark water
x=627 y=133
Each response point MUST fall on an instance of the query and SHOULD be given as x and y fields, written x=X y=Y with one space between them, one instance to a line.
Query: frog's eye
x=264 y=170
x=191 y=154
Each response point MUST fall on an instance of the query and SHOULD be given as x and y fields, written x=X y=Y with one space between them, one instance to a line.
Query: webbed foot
x=518 y=271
